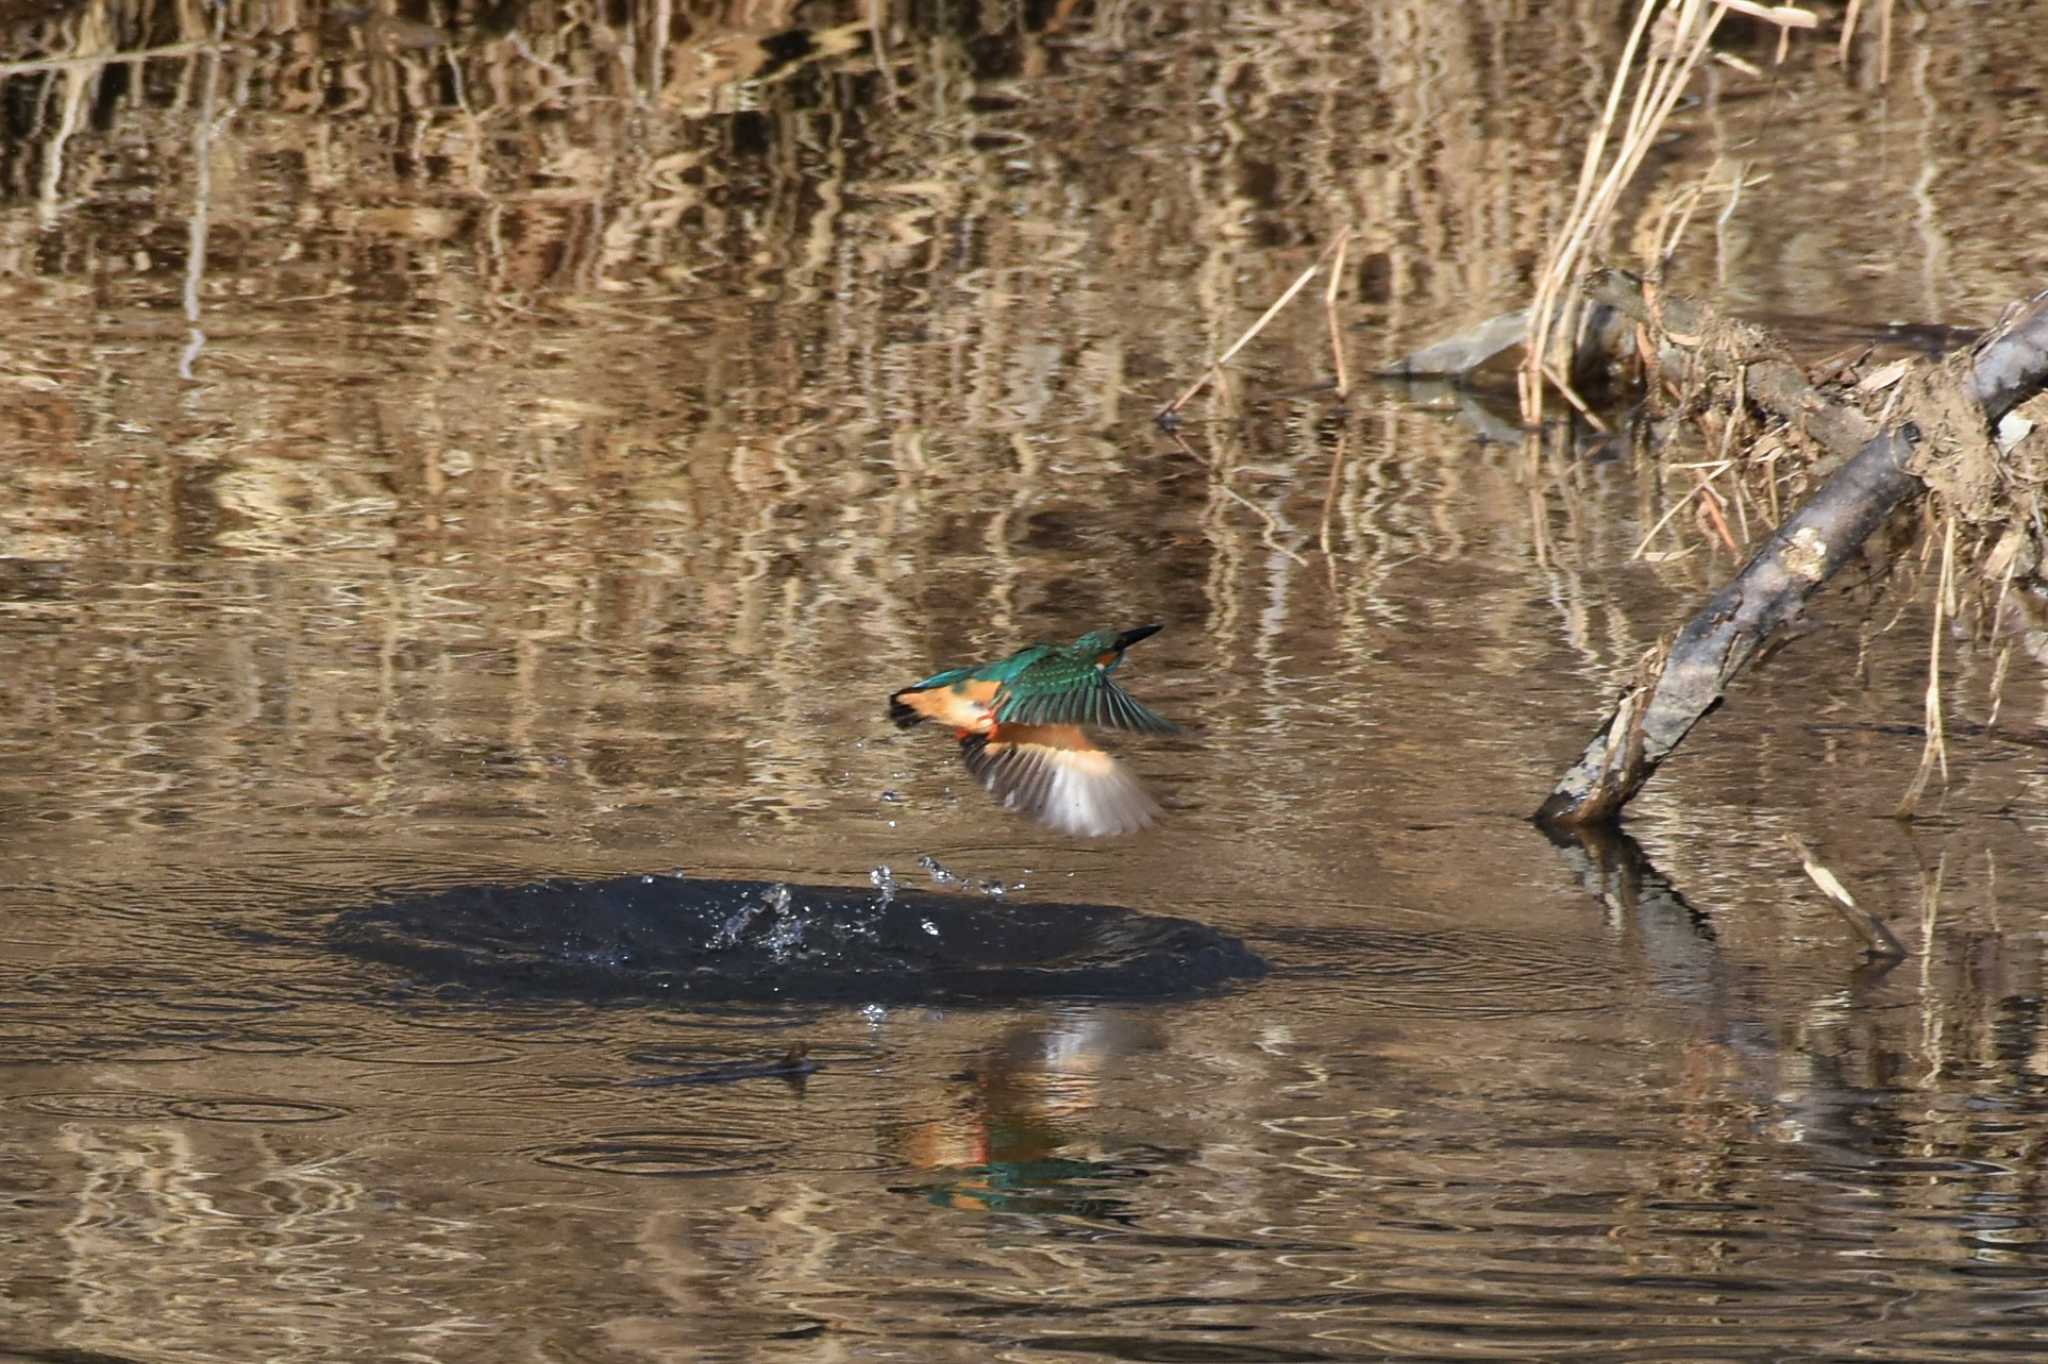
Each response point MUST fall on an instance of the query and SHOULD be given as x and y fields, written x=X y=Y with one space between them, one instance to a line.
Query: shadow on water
x=758 y=941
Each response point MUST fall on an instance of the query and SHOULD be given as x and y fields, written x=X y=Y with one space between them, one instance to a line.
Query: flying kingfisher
x=1019 y=724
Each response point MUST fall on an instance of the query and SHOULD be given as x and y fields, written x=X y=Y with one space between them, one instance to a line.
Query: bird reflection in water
x=1016 y=1139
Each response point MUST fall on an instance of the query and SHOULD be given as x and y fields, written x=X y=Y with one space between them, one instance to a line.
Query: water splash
x=786 y=935
x=943 y=876
x=773 y=904
x=729 y=940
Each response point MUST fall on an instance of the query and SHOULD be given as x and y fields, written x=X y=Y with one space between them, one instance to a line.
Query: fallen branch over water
x=1674 y=693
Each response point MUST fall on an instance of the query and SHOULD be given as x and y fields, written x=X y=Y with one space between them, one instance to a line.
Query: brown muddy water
x=486 y=446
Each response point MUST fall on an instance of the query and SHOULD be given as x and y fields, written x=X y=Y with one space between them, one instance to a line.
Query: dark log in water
x=1809 y=548
x=674 y=937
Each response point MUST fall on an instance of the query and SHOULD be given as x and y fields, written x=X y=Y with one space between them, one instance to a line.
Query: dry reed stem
x=1935 y=750
x=1998 y=672
x=1679 y=505
x=1710 y=506
x=1564 y=257
x=1656 y=92
x=1668 y=234
x=1343 y=247
x=1657 y=88
x=197 y=227
x=1786 y=17
x=2004 y=654
x=1884 y=37
x=1215 y=369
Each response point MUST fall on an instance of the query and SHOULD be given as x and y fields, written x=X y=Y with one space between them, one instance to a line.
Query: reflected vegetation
x=458 y=444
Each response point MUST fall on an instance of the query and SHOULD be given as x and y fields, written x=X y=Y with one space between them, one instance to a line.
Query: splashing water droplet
x=929 y=927
x=874 y=1014
x=883 y=880
x=728 y=934
x=937 y=870
x=774 y=902
x=892 y=798
x=783 y=940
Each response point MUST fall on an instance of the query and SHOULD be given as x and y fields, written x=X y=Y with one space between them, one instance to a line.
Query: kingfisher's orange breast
x=967 y=705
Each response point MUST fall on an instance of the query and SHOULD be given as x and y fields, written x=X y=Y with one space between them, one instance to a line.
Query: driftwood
x=1653 y=718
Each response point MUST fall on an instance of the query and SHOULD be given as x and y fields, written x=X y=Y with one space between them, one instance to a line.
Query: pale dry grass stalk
x=1884 y=37
x=1674 y=510
x=1710 y=508
x=1935 y=751
x=1330 y=292
x=1997 y=688
x=203 y=130
x=1998 y=672
x=1334 y=251
x=1683 y=29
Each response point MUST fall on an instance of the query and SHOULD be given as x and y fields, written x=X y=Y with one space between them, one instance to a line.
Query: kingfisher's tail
x=902 y=712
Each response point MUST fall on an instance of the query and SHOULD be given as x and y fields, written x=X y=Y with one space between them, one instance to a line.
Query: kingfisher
x=1019 y=722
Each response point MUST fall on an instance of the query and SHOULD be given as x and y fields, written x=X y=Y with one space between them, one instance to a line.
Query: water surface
x=562 y=446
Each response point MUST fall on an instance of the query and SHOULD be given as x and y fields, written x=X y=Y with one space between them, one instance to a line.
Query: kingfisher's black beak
x=1130 y=637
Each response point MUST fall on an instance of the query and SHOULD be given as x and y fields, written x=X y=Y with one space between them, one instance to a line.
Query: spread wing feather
x=1083 y=696
x=1053 y=774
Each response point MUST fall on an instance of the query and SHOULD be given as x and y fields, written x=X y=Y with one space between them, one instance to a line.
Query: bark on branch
x=1653 y=719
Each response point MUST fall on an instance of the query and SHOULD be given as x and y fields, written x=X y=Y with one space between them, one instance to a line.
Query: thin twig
x=1216 y=367
x=1848 y=32
x=1330 y=313
x=1665 y=519
x=1935 y=750
x=1571 y=395
x=1710 y=503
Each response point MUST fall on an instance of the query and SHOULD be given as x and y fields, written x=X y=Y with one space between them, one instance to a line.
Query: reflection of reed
x=158 y=1237
x=570 y=370
x=595 y=417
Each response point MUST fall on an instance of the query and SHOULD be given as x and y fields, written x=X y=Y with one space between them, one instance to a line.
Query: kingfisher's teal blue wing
x=1066 y=690
x=1019 y=722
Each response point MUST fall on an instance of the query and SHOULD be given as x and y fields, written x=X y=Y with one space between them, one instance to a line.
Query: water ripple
x=672 y=1153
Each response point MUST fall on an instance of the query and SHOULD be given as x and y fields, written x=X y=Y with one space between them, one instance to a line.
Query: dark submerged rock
x=757 y=941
